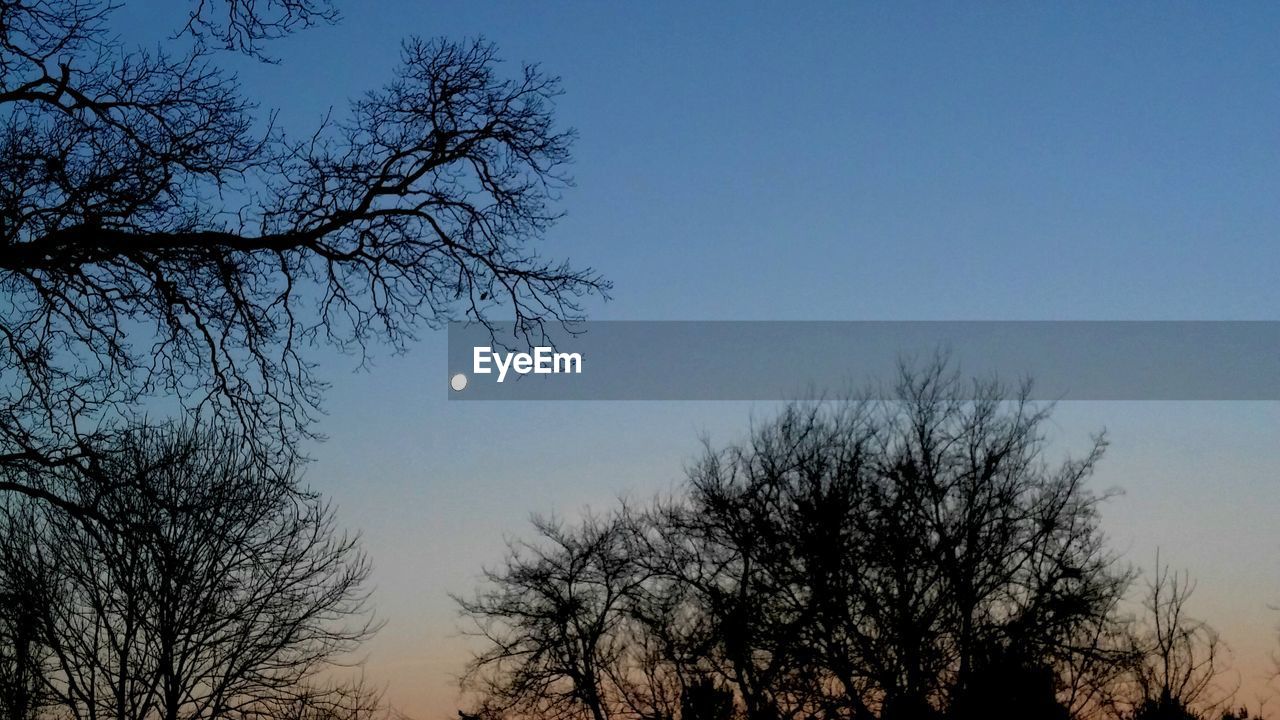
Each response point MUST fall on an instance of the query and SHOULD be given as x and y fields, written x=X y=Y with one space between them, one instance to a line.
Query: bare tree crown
x=904 y=559
x=231 y=597
x=155 y=240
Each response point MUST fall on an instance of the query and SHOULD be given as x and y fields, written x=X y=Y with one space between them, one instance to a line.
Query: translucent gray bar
x=713 y=360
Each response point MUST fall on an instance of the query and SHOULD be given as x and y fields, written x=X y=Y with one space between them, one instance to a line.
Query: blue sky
x=833 y=161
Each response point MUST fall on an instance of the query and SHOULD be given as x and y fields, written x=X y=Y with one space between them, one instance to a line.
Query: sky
x=831 y=161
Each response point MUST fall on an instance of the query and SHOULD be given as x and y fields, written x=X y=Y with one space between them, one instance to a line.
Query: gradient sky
x=833 y=161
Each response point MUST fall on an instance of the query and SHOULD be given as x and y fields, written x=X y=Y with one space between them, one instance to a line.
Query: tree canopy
x=919 y=557
x=160 y=238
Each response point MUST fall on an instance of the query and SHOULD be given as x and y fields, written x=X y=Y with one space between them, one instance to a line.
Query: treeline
x=911 y=559
x=204 y=585
x=918 y=558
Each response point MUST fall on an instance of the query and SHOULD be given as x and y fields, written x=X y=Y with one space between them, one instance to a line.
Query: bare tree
x=159 y=242
x=555 y=621
x=753 y=562
x=892 y=558
x=912 y=558
x=1178 y=660
x=231 y=591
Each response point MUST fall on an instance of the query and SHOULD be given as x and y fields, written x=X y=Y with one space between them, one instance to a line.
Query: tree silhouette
x=159 y=244
x=1177 y=659
x=552 y=618
x=228 y=595
x=900 y=559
